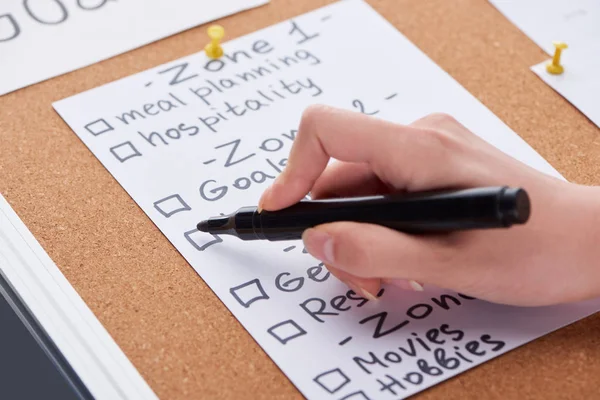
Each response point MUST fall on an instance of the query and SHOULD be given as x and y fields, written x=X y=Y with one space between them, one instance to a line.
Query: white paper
x=579 y=83
x=575 y=22
x=81 y=338
x=41 y=39
x=204 y=160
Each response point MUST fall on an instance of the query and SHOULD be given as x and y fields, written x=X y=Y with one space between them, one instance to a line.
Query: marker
x=424 y=212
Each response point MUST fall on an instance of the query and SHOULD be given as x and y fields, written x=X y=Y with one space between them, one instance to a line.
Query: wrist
x=584 y=209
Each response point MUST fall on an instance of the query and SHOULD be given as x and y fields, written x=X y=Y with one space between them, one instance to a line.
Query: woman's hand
x=551 y=259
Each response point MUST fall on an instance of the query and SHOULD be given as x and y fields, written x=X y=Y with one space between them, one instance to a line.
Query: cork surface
x=172 y=327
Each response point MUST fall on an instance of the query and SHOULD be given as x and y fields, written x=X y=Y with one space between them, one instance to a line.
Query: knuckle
x=442 y=142
x=441 y=118
x=312 y=118
x=313 y=113
x=435 y=120
x=443 y=123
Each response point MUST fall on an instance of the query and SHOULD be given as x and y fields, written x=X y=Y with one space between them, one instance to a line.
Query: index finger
x=395 y=153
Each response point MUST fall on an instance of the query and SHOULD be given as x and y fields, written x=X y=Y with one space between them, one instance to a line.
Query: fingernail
x=264 y=196
x=407 y=284
x=319 y=244
x=360 y=291
x=416 y=286
x=367 y=295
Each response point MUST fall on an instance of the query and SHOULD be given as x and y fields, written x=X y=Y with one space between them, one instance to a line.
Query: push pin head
x=214 y=49
x=554 y=67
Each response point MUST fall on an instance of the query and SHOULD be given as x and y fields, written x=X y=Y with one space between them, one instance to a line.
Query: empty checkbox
x=201 y=240
x=124 y=151
x=171 y=205
x=359 y=395
x=249 y=292
x=98 y=127
x=332 y=380
x=286 y=331
x=8 y=26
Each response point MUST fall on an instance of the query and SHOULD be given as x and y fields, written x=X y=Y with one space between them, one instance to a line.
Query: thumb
x=371 y=251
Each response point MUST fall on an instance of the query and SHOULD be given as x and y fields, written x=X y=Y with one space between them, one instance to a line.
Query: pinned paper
x=198 y=137
x=41 y=39
x=576 y=23
x=579 y=83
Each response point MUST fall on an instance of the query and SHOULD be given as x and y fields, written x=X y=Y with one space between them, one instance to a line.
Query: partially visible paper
x=579 y=83
x=575 y=22
x=41 y=39
x=86 y=345
x=197 y=137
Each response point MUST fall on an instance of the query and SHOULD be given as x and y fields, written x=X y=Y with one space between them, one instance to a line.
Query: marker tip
x=202 y=226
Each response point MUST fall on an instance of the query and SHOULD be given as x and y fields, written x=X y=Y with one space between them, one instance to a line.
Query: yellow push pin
x=554 y=66
x=214 y=49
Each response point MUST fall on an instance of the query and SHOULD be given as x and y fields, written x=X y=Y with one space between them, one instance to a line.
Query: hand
x=551 y=259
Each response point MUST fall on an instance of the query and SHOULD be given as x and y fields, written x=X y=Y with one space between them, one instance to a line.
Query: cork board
x=176 y=332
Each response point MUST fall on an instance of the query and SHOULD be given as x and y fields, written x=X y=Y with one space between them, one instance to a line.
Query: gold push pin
x=554 y=66
x=214 y=49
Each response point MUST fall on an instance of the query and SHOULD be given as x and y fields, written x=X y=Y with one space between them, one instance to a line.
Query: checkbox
x=332 y=380
x=286 y=331
x=200 y=240
x=359 y=395
x=171 y=205
x=125 y=151
x=99 y=127
x=249 y=292
x=10 y=25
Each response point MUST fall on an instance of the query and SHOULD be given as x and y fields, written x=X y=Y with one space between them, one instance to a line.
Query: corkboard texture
x=176 y=332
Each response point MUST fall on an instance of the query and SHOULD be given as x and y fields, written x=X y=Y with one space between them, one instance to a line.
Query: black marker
x=426 y=212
